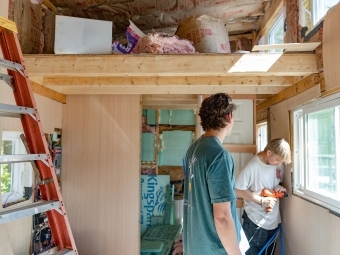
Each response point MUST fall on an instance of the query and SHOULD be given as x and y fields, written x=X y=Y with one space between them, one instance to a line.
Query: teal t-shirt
x=209 y=179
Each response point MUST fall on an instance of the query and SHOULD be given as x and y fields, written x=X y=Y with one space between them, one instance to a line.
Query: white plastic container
x=82 y=36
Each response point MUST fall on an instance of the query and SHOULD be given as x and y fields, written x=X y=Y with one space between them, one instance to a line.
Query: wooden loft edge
x=49 y=93
x=251 y=64
x=297 y=88
x=168 y=89
x=168 y=81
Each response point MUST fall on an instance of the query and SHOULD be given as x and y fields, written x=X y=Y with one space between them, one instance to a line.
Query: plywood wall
x=307 y=228
x=101 y=172
x=331 y=49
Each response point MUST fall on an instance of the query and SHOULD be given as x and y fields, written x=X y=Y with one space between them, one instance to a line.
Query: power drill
x=273 y=193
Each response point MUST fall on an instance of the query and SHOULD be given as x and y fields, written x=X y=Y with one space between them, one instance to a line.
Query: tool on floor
x=26 y=109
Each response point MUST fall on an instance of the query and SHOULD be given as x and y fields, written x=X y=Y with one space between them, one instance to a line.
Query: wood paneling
x=331 y=50
x=307 y=228
x=101 y=172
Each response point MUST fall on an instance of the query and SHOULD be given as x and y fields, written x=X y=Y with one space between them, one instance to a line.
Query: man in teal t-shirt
x=210 y=224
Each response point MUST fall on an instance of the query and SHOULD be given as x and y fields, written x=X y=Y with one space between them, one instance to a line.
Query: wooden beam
x=246 y=96
x=252 y=64
x=272 y=12
x=297 y=88
x=169 y=97
x=169 y=89
x=241 y=148
x=49 y=93
x=240 y=26
x=169 y=101
x=236 y=37
x=50 y=6
x=173 y=81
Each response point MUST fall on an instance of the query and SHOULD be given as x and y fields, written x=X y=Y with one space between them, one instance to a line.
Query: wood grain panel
x=331 y=50
x=50 y=113
x=100 y=172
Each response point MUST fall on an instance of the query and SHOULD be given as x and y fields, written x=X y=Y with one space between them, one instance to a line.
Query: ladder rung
x=6 y=159
x=7 y=110
x=27 y=210
x=7 y=78
x=64 y=252
x=10 y=65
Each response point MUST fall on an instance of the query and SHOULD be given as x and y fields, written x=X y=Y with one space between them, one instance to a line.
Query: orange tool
x=273 y=193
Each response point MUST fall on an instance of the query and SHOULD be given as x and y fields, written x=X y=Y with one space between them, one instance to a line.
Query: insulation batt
x=163 y=43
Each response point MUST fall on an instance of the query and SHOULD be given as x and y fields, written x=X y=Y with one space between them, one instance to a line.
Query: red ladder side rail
x=37 y=144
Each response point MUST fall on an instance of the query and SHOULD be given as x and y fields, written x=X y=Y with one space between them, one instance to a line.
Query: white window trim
x=21 y=172
x=298 y=190
x=259 y=127
x=279 y=19
x=315 y=14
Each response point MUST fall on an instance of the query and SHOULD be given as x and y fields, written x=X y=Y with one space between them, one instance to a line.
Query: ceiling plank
x=49 y=93
x=252 y=64
x=174 y=81
x=169 y=89
x=297 y=88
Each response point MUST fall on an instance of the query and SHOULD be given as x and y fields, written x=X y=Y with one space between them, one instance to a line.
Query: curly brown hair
x=214 y=110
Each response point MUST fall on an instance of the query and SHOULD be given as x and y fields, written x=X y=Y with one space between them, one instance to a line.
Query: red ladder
x=26 y=109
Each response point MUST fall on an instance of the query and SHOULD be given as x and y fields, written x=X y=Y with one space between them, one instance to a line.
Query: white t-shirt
x=256 y=176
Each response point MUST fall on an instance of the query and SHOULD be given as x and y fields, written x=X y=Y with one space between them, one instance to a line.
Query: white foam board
x=82 y=36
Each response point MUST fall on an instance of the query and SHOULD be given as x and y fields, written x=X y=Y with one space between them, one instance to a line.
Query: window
x=316 y=163
x=14 y=176
x=262 y=136
x=320 y=9
x=276 y=33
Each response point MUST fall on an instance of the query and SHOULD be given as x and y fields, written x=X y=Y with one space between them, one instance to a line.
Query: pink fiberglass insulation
x=163 y=43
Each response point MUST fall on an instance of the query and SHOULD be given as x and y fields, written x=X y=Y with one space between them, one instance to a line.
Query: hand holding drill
x=271 y=197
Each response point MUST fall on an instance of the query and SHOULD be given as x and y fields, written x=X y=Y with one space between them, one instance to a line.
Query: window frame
x=276 y=23
x=299 y=140
x=21 y=172
x=259 y=129
x=316 y=16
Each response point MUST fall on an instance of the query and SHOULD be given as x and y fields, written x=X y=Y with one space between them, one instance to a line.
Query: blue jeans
x=259 y=237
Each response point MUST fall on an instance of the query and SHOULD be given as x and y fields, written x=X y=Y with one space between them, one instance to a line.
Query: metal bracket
x=47 y=181
x=59 y=211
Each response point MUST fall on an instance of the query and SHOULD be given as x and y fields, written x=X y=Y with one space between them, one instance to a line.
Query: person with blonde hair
x=264 y=171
